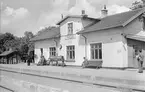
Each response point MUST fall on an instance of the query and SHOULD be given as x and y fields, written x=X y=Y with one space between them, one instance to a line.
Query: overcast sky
x=18 y=16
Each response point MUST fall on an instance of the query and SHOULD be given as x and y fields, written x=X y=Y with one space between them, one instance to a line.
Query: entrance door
x=132 y=51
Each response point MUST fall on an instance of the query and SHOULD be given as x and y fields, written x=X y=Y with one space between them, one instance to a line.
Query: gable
x=133 y=27
x=62 y=20
x=70 y=20
x=77 y=25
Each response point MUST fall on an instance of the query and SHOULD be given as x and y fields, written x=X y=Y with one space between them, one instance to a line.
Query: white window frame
x=52 y=51
x=94 y=49
x=70 y=28
x=70 y=51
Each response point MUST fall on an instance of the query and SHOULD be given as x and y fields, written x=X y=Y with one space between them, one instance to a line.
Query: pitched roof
x=135 y=37
x=112 y=21
x=5 y=53
x=48 y=34
x=75 y=16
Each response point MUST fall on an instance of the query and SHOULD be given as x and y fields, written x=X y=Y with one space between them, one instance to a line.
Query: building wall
x=112 y=46
x=13 y=58
x=125 y=52
x=133 y=28
x=45 y=44
x=67 y=40
x=79 y=49
x=64 y=41
x=115 y=43
x=78 y=24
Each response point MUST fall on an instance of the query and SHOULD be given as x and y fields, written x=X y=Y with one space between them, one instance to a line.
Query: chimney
x=104 y=12
x=84 y=14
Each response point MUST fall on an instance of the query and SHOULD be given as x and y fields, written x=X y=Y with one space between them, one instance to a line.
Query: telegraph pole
x=0 y=28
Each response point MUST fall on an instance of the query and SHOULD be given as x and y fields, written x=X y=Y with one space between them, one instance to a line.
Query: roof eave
x=132 y=18
x=44 y=39
x=74 y=16
x=69 y=16
x=62 y=20
x=135 y=37
x=82 y=32
x=6 y=53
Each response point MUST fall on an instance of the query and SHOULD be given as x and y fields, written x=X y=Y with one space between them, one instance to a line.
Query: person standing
x=29 y=61
x=140 y=59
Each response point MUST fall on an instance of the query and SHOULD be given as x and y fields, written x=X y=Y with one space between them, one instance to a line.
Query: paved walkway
x=130 y=77
x=113 y=73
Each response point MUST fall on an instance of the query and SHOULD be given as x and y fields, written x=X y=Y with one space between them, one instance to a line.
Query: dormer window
x=70 y=28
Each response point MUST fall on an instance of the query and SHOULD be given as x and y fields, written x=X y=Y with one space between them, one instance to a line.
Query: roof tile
x=49 y=33
x=112 y=21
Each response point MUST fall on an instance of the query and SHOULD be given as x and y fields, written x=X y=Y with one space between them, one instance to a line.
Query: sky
x=18 y=16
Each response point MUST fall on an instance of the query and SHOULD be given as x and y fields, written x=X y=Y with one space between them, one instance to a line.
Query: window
x=52 y=51
x=70 y=52
x=96 y=51
x=70 y=28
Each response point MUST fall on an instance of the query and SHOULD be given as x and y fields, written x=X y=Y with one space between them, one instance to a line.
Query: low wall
x=73 y=77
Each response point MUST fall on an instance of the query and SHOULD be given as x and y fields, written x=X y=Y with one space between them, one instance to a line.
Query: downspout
x=85 y=46
x=56 y=47
x=125 y=42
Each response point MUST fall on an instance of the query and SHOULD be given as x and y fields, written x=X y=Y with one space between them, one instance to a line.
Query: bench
x=92 y=63
x=59 y=61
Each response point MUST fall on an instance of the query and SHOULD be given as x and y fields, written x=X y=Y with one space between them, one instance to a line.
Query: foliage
x=21 y=44
x=137 y=4
x=26 y=45
x=4 y=38
x=13 y=44
x=28 y=37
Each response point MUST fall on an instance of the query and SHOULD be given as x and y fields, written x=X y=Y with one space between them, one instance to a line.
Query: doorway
x=133 y=47
x=132 y=52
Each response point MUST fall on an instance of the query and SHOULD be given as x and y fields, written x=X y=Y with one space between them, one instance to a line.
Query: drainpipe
x=124 y=36
x=56 y=47
x=85 y=46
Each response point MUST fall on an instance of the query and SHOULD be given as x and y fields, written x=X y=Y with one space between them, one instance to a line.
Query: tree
x=21 y=44
x=138 y=4
x=5 y=38
x=14 y=44
x=28 y=36
x=27 y=47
